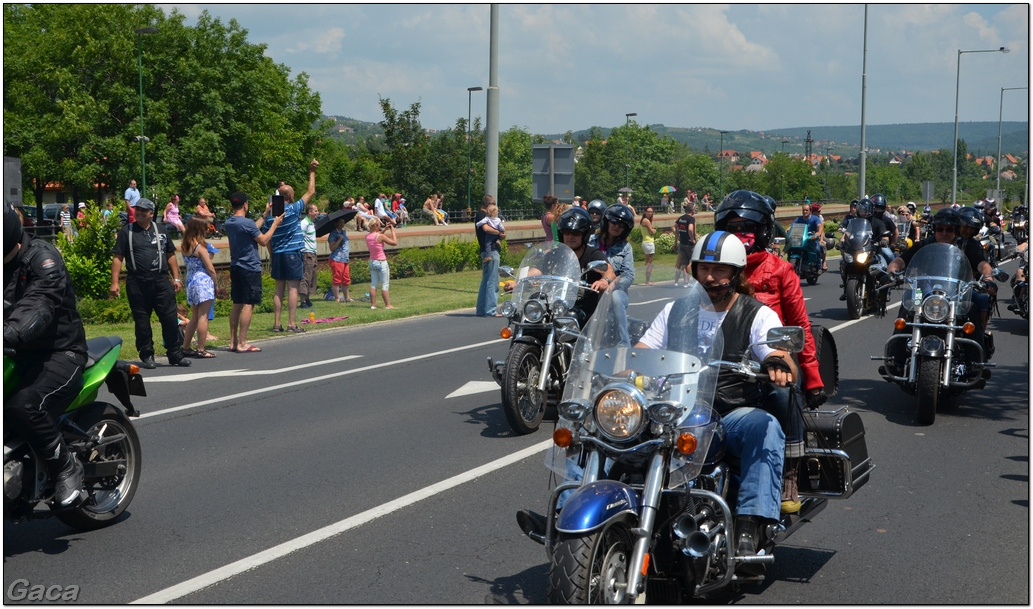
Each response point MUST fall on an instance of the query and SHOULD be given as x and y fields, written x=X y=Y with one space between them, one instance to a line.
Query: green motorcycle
x=99 y=434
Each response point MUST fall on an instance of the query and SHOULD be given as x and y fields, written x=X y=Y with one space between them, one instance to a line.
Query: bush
x=88 y=256
x=100 y=311
x=665 y=243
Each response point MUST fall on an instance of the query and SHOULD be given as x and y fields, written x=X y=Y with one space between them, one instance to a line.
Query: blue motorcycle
x=804 y=252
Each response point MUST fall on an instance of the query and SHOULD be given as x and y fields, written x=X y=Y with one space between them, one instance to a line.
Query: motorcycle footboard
x=835 y=462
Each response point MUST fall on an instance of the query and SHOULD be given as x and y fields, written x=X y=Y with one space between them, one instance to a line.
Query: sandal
x=190 y=353
x=295 y=329
x=205 y=354
x=277 y=328
x=250 y=349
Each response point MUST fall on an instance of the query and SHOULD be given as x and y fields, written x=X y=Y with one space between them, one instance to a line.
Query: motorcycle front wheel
x=927 y=393
x=854 y=299
x=116 y=465
x=522 y=403
x=591 y=569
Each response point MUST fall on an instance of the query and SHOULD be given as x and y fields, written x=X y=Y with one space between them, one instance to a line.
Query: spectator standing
x=80 y=217
x=379 y=273
x=308 y=255
x=108 y=208
x=66 y=222
x=171 y=214
x=685 y=235
x=490 y=231
x=339 y=266
x=152 y=256
x=549 y=217
x=245 y=235
x=131 y=196
x=288 y=266
x=200 y=286
x=648 y=244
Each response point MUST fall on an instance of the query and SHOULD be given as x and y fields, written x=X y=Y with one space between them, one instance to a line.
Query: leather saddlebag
x=835 y=461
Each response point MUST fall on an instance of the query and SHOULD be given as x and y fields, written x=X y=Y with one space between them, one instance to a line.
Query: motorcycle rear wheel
x=591 y=569
x=109 y=495
x=927 y=393
x=854 y=300
x=522 y=403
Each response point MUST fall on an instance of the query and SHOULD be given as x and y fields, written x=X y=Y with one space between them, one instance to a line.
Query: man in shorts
x=685 y=233
x=288 y=264
x=245 y=236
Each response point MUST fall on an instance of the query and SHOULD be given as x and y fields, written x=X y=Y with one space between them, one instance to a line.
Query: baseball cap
x=238 y=199
x=81 y=205
x=145 y=204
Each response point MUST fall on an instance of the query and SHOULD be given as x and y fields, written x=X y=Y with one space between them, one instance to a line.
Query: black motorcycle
x=1020 y=289
x=942 y=358
x=543 y=325
x=1019 y=225
x=859 y=253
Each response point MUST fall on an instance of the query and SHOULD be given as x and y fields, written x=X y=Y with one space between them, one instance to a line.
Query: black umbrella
x=625 y=189
x=326 y=224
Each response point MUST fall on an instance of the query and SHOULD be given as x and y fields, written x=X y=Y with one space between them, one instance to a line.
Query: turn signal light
x=134 y=369
x=686 y=443
x=645 y=565
x=506 y=333
x=968 y=328
x=562 y=437
x=900 y=324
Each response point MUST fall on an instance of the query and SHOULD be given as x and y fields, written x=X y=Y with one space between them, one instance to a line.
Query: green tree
x=515 y=189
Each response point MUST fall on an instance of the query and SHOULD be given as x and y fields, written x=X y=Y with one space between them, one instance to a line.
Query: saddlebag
x=835 y=461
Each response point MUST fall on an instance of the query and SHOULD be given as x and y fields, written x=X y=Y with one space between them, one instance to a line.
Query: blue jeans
x=756 y=437
x=620 y=311
x=488 y=294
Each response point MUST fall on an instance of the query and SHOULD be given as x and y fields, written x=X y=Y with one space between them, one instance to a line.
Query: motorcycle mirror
x=1000 y=275
x=507 y=270
x=787 y=338
x=780 y=240
x=596 y=265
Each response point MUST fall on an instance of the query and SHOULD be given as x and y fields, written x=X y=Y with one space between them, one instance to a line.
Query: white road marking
x=316 y=379
x=244 y=372
x=889 y=306
x=649 y=301
x=256 y=560
x=474 y=387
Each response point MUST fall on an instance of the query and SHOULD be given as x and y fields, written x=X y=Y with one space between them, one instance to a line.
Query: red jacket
x=777 y=286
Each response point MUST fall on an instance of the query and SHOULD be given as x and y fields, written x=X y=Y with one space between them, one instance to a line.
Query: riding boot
x=67 y=474
x=746 y=533
x=790 y=491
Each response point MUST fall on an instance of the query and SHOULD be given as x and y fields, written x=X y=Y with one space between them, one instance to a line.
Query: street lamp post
x=828 y=172
x=783 y=197
x=627 y=148
x=957 y=91
x=469 y=159
x=721 y=169
x=141 y=138
x=1000 y=116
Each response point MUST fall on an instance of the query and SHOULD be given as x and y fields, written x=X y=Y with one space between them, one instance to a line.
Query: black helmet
x=618 y=214
x=947 y=217
x=771 y=203
x=575 y=219
x=748 y=206
x=970 y=216
x=597 y=206
x=878 y=204
x=980 y=204
x=864 y=208
x=12 y=229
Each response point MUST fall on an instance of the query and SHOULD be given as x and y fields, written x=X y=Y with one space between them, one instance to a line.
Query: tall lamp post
x=627 y=149
x=783 y=197
x=828 y=172
x=141 y=138
x=469 y=159
x=721 y=169
x=957 y=91
x=1000 y=116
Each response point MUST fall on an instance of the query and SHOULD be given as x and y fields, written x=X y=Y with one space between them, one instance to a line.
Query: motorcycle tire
x=854 y=299
x=522 y=403
x=796 y=266
x=927 y=392
x=827 y=354
x=591 y=568
x=1022 y=304
x=109 y=496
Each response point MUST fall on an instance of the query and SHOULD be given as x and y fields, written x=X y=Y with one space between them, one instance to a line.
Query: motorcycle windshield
x=797 y=234
x=939 y=268
x=857 y=235
x=548 y=273
x=675 y=384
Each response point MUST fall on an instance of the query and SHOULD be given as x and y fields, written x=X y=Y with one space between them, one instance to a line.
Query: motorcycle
x=542 y=327
x=942 y=359
x=990 y=251
x=859 y=253
x=98 y=434
x=1019 y=225
x=1020 y=289
x=651 y=518
x=803 y=253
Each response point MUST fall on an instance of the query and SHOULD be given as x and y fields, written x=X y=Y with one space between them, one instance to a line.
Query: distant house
x=757 y=164
x=1008 y=175
x=758 y=155
x=986 y=161
x=1008 y=160
x=728 y=155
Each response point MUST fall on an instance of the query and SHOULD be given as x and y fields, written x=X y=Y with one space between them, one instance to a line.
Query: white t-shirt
x=709 y=323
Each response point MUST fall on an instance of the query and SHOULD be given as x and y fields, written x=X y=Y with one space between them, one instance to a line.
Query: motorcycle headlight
x=508 y=309
x=558 y=308
x=862 y=257
x=620 y=412
x=574 y=410
x=665 y=412
x=534 y=311
x=935 y=308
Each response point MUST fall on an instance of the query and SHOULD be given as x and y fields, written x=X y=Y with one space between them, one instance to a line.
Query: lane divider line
x=257 y=560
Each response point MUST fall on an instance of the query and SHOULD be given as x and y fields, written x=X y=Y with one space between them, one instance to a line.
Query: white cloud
x=318 y=41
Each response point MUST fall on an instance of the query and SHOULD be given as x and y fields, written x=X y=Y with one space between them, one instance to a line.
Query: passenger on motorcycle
x=752 y=219
x=595 y=212
x=865 y=209
x=42 y=325
x=879 y=211
x=946 y=229
x=752 y=413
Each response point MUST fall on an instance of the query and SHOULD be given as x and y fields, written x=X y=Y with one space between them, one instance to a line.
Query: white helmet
x=720 y=247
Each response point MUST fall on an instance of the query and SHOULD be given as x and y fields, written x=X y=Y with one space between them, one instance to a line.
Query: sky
x=723 y=66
